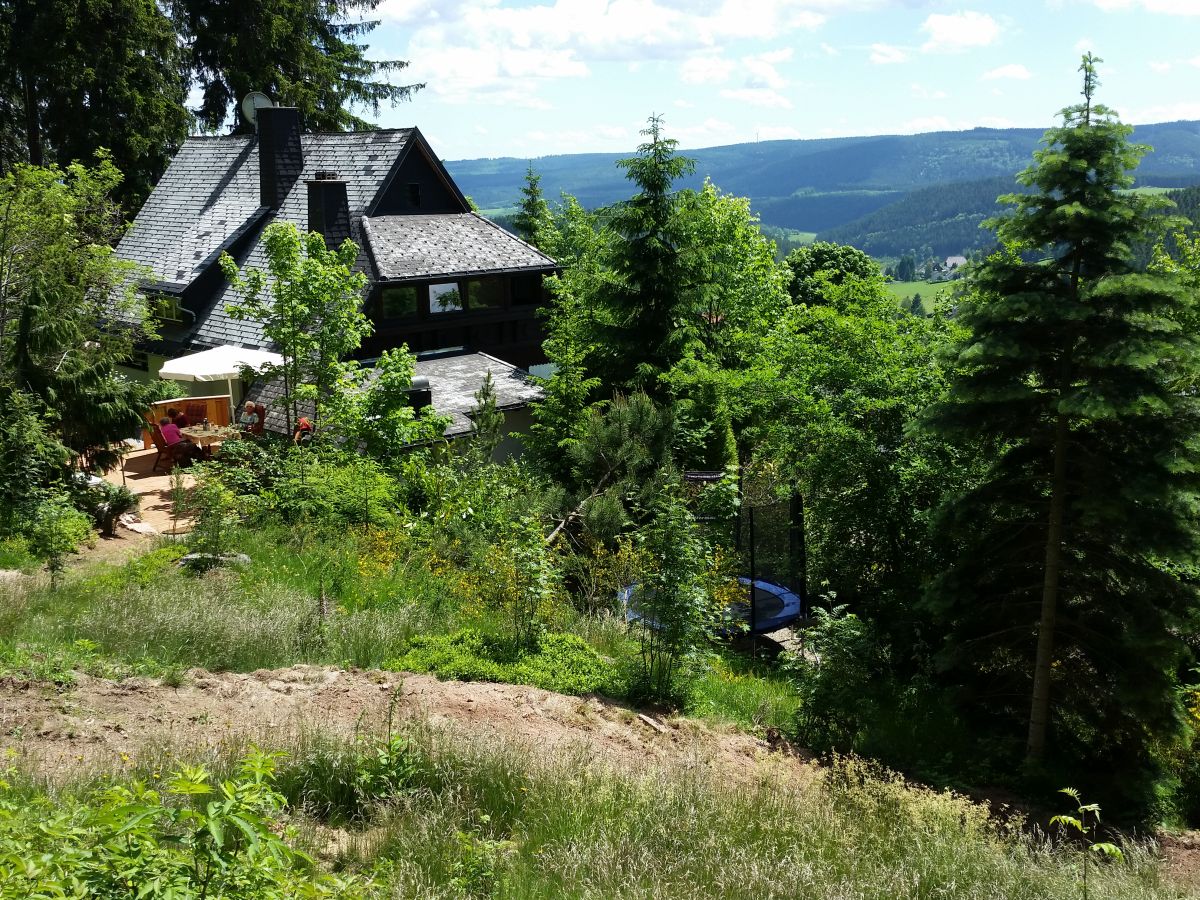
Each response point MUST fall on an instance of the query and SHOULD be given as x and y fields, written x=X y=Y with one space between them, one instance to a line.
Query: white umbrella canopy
x=218 y=364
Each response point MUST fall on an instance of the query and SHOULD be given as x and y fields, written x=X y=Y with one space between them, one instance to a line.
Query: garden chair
x=164 y=449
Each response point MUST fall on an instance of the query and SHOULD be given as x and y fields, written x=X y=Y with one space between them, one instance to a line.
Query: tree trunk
x=33 y=124
x=1039 y=714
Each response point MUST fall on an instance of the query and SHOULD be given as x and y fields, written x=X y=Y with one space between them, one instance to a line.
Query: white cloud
x=777 y=133
x=958 y=32
x=706 y=70
x=1014 y=71
x=923 y=93
x=1194 y=61
x=1166 y=112
x=1167 y=7
x=464 y=46
x=761 y=71
x=926 y=123
x=705 y=134
x=576 y=140
x=764 y=97
x=886 y=54
x=1085 y=45
x=829 y=49
x=782 y=55
x=683 y=104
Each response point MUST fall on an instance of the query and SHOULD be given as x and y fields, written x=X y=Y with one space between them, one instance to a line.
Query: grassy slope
x=447 y=818
x=422 y=813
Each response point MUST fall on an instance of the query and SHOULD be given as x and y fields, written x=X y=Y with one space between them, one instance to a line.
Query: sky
x=530 y=78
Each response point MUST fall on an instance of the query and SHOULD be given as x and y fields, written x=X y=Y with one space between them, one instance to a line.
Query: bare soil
x=1182 y=855
x=98 y=724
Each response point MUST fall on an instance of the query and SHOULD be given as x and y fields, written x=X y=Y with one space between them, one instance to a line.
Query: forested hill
x=817 y=185
x=946 y=219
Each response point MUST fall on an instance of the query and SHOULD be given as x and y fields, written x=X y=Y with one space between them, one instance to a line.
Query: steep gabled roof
x=446 y=245
x=209 y=198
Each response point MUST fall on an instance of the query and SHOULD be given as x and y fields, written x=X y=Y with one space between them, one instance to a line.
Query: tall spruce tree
x=533 y=220
x=84 y=74
x=304 y=53
x=641 y=315
x=1066 y=604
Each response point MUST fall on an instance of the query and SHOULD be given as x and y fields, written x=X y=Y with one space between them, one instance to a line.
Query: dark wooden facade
x=495 y=314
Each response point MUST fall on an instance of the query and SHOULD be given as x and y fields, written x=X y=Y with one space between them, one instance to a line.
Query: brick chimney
x=328 y=208
x=280 y=157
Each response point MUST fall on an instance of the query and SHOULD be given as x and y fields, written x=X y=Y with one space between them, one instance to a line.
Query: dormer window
x=414 y=195
x=166 y=309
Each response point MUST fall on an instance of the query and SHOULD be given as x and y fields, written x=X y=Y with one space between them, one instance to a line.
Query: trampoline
x=774 y=607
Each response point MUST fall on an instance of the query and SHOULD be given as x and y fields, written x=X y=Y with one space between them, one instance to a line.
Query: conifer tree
x=533 y=221
x=1066 y=605
x=640 y=316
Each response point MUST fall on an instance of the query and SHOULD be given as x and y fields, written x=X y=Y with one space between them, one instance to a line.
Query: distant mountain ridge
x=820 y=185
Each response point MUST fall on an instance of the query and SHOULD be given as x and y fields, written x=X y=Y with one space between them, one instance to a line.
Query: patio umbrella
x=218 y=364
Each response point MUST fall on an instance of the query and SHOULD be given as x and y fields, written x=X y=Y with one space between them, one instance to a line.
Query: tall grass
x=739 y=692
x=221 y=620
x=442 y=816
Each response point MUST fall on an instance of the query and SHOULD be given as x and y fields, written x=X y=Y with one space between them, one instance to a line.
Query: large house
x=441 y=277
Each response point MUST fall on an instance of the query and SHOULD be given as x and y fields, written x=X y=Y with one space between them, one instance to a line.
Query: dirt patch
x=123 y=546
x=101 y=724
x=1182 y=855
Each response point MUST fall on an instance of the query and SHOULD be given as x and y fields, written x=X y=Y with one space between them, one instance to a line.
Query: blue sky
x=529 y=78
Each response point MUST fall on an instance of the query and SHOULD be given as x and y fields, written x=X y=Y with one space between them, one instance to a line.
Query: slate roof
x=210 y=194
x=453 y=381
x=446 y=244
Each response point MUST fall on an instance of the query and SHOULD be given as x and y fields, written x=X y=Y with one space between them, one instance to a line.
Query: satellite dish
x=252 y=103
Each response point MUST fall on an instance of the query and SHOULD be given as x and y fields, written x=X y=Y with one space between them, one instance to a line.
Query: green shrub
x=105 y=502
x=196 y=839
x=343 y=783
x=15 y=554
x=57 y=530
x=563 y=663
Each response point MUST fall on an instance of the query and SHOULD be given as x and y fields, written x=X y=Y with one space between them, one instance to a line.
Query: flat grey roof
x=453 y=380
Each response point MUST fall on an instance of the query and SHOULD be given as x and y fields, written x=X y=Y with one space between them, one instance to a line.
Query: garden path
x=154 y=488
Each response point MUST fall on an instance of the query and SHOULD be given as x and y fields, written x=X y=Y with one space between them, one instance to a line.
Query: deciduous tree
x=309 y=303
x=69 y=311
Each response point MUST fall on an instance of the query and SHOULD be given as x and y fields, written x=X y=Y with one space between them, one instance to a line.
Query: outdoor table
x=204 y=438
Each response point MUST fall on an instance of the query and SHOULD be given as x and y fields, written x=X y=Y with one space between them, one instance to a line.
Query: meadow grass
x=429 y=813
x=731 y=689
x=903 y=290
x=223 y=619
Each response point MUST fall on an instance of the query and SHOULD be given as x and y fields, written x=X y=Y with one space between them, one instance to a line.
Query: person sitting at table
x=182 y=450
x=248 y=417
x=304 y=432
x=178 y=419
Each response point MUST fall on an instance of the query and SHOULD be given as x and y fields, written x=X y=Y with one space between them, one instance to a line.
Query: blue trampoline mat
x=774 y=606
